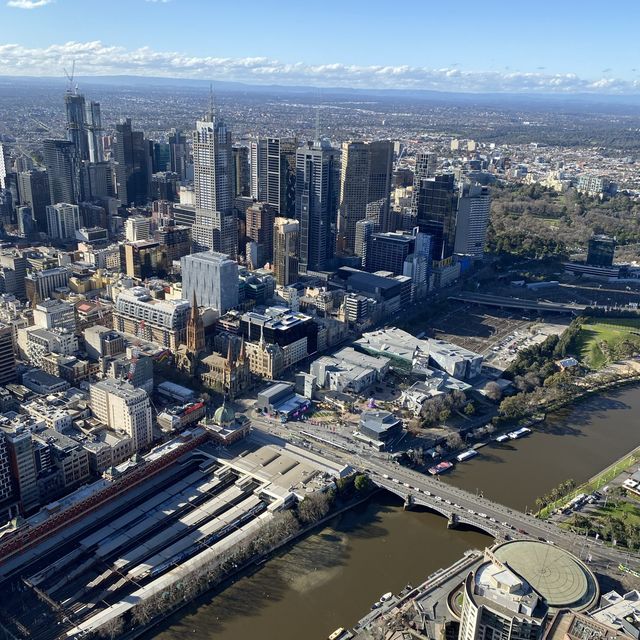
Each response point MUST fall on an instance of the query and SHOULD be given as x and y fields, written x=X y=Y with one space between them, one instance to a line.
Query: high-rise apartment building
x=63 y=170
x=75 y=109
x=436 y=214
x=133 y=165
x=213 y=278
x=258 y=170
x=137 y=228
x=63 y=220
x=286 y=233
x=122 y=406
x=317 y=180
x=95 y=132
x=34 y=192
x=365 y=182
x=474 y=210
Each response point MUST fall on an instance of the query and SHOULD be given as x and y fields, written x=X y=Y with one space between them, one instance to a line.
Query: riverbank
x=240 y=570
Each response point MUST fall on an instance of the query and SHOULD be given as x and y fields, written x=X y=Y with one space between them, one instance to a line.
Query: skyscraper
x=285 y=250
x=62 y=163
x=7 y=355
x=34 y=193
x=4 y=166
x=212 y=164
x=241 y=172
x=76 y=123
x=260 y=217
x=365 y=182
x=388 y=251
x=474 y=209
x=258 y=166
x=281 y=175
x=316 y=202
x=178 y=153
x=364 y=230
x=436 y=214
x=133 y=165
x=213 y=278
x=426 y=164
x=93 y=124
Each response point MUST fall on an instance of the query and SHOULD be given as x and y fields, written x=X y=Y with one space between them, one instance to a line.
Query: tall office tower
x=388 y=251
x=23 y=467
x=98 y=180
x=241 y=172
x=317 y=180
x=436 y=214
x=4 y=166
x=259 y=229
x=63 y=169
x=63 y=220
x=34 y=193
x=426 y=165
x=122 y=406
x=418 y=265
x=281 y=175
x=213 y=278
x=95 y=132
x=76 y=124
x=178 y=153
x=499 y=603
x=364 y=230
x=137 y=228
x=258 y=162
x=212 y=165
x=133 y=165
x=7 y=355
x=286 y=235
x=365 y=184
x=474 y=210
x=23 y=163
x=26 y=223
x=215 y=231
x=161 y=157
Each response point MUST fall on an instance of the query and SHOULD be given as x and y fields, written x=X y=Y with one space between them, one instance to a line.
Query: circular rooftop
x=564 y=581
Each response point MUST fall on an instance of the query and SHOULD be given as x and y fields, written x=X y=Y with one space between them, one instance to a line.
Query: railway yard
x=191 y=513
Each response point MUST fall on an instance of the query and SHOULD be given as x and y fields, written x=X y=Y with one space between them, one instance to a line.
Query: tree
x=315 y=506
x=493 y=391
x=454 y=441
x=361 y=482
x=445 y=414
x=469 y=409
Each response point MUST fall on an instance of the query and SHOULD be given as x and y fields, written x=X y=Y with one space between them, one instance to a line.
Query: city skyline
x=506 y=54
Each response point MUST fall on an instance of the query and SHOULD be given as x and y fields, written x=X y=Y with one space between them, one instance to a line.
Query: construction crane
x=70 y=77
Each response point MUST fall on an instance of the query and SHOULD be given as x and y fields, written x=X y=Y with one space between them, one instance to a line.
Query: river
x=331 y=578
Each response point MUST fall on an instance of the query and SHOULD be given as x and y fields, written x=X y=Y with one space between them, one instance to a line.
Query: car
x=385 y=475
x=522 y=531
x=427 y=493
x=482 y=515
x=395 y=480
x=406 y=484
x=471 y=511
x=438 y=499
x=448 y=501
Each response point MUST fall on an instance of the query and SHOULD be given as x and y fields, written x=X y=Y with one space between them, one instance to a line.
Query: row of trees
x=283 y=525
x=562 y=490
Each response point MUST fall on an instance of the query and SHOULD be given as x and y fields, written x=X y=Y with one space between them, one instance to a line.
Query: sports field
x=605 y=340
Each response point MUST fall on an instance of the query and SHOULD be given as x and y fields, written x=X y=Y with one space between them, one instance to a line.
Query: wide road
x=442 y=497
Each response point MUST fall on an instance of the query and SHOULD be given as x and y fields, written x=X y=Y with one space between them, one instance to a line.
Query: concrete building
x=388 y=252
x=348 y=370
x=50 y=314
x=43 y=341
x=121 y=406
x=213 y=278
x=163 y=322
x=364 y=230
x=13 y=271
x=286 y=236
x=474 y=210
x=497 y=602
x=63 y=220
x=22 y=463
x=41 y=284
x=137 y=228
x=33 y=187
x=260 y=218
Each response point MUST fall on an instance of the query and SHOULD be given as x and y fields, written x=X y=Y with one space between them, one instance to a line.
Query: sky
x=560 y=46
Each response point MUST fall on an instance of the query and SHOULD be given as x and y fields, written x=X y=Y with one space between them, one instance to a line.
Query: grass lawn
x=599 y=338
x=623 y=510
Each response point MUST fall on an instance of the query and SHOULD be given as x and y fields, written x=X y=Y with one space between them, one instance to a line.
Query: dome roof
x=224 y=414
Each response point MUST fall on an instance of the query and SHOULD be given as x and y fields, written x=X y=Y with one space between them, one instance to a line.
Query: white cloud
x=97 y=58
x=28 y=4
